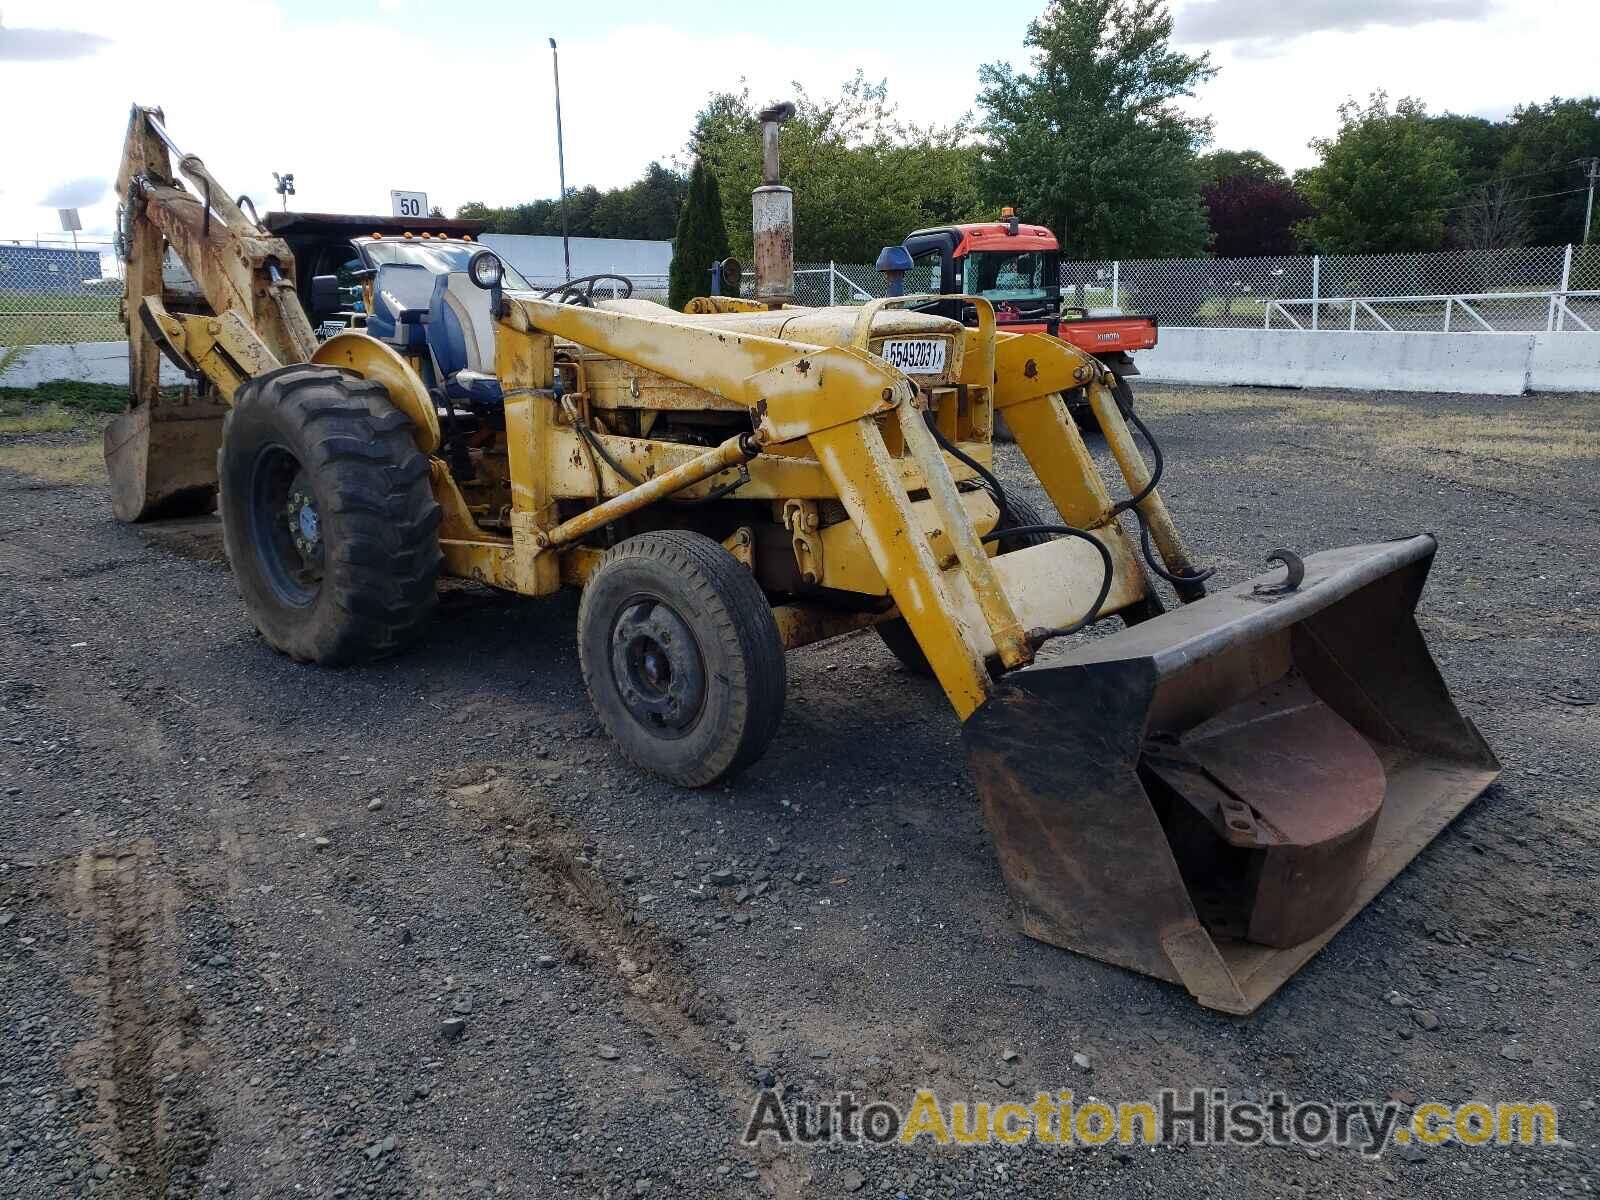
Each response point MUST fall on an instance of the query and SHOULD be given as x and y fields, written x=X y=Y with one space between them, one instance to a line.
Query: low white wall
x=1564 y=362
x=1481 y=363
x=85 y=362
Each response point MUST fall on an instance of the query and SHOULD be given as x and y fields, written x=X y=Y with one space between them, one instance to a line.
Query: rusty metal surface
x=1100 y=861
x=772 y=230
x=1305 y=774
x=1276 y=799
x=161 y=458
x=772 y=217
x=730 y=453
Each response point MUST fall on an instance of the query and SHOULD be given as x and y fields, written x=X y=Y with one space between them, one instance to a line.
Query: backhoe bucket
x=161 y=458
x=1210 y=795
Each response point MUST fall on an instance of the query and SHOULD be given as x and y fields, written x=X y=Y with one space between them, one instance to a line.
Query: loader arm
x=1032 y=374
x=161 y=453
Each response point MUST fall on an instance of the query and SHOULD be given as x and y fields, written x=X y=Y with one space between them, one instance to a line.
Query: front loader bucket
x=1210 y=795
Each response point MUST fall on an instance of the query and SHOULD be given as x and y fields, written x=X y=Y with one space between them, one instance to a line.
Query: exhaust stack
x=772 y=216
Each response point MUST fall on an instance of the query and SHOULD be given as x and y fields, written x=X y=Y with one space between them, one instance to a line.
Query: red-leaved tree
x=1252 y=217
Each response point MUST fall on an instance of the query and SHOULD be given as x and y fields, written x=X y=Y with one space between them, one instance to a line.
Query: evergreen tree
x=702 y=238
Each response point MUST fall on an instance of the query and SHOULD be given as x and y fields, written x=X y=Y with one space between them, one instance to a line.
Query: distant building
x=46 y=268
x=539 y=258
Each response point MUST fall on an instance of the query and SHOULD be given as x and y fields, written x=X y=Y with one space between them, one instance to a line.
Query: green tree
x=1384 y=181
x=646 y=208
x=1486 y=212
x=701 y=240
x=1092 y=142
x=1546 y=143
x=1480 y=145
x=862 y=177
x=539 y=217
x=1240 y=164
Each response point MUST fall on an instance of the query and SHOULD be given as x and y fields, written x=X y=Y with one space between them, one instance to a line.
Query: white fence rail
x=1527 y=289
x=1382 y=312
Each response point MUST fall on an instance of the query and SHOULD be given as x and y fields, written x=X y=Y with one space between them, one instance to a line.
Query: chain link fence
x=1526 y=289
x=57 y=291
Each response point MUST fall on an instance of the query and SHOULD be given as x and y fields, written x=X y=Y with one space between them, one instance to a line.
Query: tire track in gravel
x=144 y=1062
x=597 y=929
x=603 y=934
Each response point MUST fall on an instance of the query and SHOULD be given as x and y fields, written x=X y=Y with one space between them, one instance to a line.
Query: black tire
x=681 y=656
x=328 y=516
x=1078 y=403
x=897 y=635
x=1123 y=392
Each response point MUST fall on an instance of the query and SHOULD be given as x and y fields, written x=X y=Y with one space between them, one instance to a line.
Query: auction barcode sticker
x=918 y=356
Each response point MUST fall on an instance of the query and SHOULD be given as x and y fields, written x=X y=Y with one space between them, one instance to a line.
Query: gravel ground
x=417 y=930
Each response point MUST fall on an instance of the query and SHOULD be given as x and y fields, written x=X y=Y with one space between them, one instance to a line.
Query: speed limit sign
x=409 y=204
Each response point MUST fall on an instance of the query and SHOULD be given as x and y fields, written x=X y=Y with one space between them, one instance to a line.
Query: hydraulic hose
x=1132 y=502
x=990 y=483
x=1156 y=471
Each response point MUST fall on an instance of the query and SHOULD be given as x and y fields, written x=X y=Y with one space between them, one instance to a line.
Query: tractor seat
x=460 y=331
x=401 y=294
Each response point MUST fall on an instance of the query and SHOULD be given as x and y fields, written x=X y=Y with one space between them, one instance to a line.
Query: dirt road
x=417 y=930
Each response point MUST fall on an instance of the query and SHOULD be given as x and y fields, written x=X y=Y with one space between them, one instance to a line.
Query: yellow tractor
x=1206 y=795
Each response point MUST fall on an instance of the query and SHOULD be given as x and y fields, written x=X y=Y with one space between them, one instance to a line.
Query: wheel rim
x=657 y=667
x=286 y=527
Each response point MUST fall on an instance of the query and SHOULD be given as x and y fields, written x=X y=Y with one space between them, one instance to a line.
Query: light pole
x=1588 y=206
x=561 y=161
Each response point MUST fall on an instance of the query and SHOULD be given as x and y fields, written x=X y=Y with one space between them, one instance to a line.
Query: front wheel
x=681 y=656
x=328 y=515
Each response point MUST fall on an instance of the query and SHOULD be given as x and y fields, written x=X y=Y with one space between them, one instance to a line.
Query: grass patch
x=1452 y=440
x=1161 y=401
x=42 y=318
x=80 y=462
x=1531 y=435
x=51 y=433
x=68 y=393
x=21 y=419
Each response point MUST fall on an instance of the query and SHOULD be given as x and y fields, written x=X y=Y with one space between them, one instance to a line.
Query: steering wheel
x=580 y=291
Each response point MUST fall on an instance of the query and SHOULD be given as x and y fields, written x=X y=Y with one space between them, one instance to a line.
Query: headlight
x=485 y=269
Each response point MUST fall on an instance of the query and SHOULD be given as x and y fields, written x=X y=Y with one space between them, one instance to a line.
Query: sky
x=457 y=99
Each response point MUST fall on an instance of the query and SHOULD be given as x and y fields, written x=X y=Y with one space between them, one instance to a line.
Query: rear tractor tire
x=328 y=516
x=681 y=656
x=897 y=635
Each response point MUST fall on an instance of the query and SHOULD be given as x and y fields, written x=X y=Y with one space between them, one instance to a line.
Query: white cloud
x=76 y=193
x=46 y=45
x=373 y=102
x=1273 y=21
x=407 y=113
x=1516 y=55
